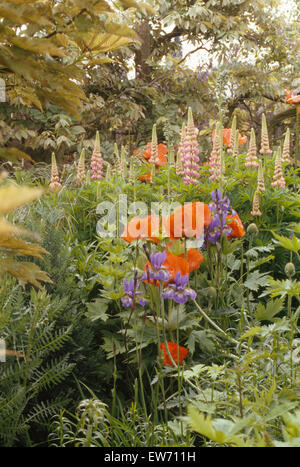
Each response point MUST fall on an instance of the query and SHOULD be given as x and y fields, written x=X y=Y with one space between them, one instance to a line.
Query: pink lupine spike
x=278 y=179
x=190 y=152
x=97 y=161
x=55 y=184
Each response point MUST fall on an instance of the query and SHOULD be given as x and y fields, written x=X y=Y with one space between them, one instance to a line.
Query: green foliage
x=93 y=426
x=30 y=330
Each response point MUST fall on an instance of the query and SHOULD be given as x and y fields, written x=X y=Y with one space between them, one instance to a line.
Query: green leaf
x=97 y=310
x=219 y=430
x=256 y=280
x=292 y=244
x=267 y=313
x=252 y=332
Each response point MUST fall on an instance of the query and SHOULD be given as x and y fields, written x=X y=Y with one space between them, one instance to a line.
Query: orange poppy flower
x=236 y=225
x=291 y=99
x=141 y=228
x=178 y=353
x=186 y=221
x=173 y=264
x=194 y=258
x=227 y=136
x=161 y=154
x=161 y=159
x=145 y=178
x=288 y=95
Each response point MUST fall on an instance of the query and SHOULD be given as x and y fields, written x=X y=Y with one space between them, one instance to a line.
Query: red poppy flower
x=178 y=353
x=236 y=225
x=227 y=136
x=186 y=220
x=141 y=228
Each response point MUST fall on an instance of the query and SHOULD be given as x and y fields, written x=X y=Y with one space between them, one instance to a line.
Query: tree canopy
x=66 y=68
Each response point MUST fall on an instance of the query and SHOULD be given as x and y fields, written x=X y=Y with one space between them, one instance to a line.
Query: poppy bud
x=252 y=229
x=211 y=293
x=290 y=270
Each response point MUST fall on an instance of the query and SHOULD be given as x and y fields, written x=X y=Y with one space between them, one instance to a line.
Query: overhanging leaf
x=12 y=197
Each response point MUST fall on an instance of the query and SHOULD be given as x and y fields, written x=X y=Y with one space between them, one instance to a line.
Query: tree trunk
x=143 y=70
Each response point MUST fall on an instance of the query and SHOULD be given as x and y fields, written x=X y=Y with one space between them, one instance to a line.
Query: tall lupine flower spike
x=131 y=176
x=260 y=178
x=55 y=184
x=190 y=152
x=179 y=158
x=171 y=157
x=108 y=174
x=286 y=148
x=235 y=148
x=97 y=161
x=154 y=149
x=251 y=158
x=255 y=205
x=265 y=146
x=232 y=135
x=81 y=179
x=215 y=156
x=123 y=162
x=278 y=179
x=118 y=165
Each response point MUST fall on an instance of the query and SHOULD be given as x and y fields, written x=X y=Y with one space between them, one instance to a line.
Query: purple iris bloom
x=131 y=291
x=157 y=259
x=159 y=273
x=178 y=291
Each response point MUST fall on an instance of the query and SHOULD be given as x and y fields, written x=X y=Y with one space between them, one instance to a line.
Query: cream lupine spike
x=108 y=172
x=97 y=161
x=278 y=179
x=152 y=173
x=260 y=178
x=171 y=157
x=131 y=176
x=256 y=205
x=179 y=158
x=123 y=162
x=235 y=148
x=80 y=178
x=251 y=158
x=118 y=166
x=55 y=184
x=215 y=156
x=265 y=146
x=232 y=135
x=154 y=149
x=286 y=148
